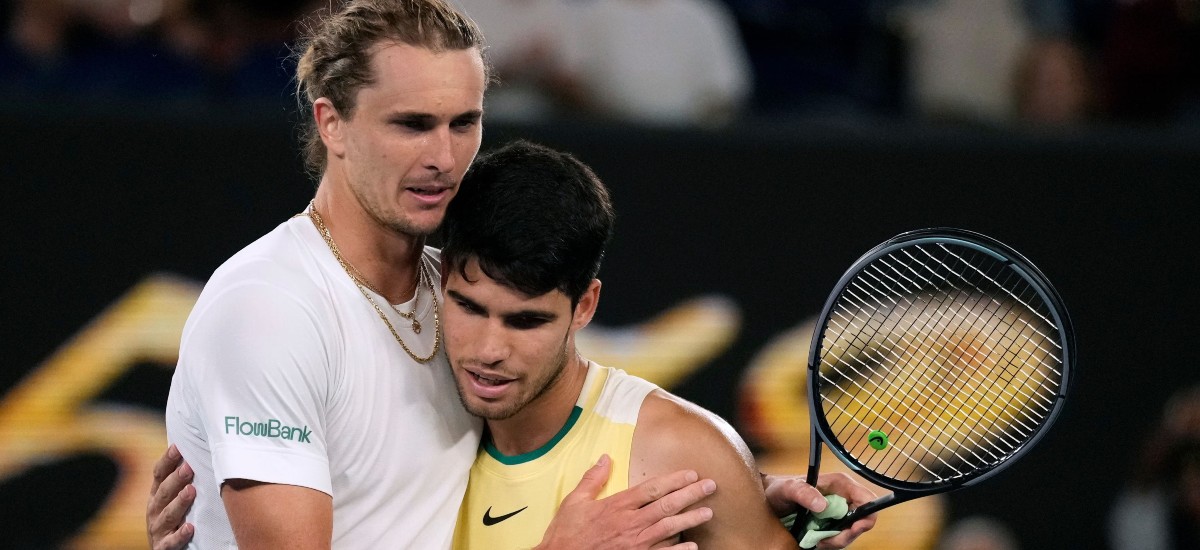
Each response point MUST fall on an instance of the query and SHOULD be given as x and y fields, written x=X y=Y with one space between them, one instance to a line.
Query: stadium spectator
x=661 y=62
x=1160 y=508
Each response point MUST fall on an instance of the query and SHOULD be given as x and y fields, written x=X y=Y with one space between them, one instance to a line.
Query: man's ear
x=586 y=307
x=330 y=125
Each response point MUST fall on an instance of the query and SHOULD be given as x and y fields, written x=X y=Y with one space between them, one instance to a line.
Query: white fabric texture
x=287 y=375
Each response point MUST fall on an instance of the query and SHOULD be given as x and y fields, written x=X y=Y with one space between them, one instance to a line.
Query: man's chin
x=492 y=413
x=486 y=411
x=414 y=229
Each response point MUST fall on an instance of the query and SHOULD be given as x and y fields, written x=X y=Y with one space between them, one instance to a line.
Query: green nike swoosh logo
x=489 y=520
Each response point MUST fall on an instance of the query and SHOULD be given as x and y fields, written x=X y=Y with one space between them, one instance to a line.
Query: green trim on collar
x=502 y=458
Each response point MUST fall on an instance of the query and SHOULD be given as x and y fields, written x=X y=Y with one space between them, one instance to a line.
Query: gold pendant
x=416 y=326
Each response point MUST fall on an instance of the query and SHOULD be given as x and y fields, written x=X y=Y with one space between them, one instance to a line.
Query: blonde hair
x=336 y=50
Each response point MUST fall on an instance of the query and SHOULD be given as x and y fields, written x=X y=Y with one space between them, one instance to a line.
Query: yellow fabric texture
x=528 y=488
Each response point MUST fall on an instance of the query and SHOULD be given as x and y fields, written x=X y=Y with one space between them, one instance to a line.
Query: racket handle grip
x=802 y=518
x=863 y=511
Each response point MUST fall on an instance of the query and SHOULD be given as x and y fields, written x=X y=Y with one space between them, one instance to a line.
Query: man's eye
x=526 y=323
x=412 y=124
x=467 y=306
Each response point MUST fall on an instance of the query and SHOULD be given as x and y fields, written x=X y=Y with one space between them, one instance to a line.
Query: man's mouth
x=489 y=386
x=431 y=194
x=489 y=381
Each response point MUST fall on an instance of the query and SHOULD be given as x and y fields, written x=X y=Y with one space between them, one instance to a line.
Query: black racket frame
x=904 y=491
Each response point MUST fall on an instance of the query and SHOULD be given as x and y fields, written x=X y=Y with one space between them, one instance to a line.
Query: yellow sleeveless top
x=510 y=500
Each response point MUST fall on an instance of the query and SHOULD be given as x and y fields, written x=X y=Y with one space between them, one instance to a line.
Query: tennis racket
x=940 y=358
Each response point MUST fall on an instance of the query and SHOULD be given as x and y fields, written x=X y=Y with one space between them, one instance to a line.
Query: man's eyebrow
x=413 y=116
x=429 y=118
x=525 y=313
x=458 y=297
x=531 y=314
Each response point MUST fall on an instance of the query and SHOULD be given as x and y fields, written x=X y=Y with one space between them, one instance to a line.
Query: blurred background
x=754 y=149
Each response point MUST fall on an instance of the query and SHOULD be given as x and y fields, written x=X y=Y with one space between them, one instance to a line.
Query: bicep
x=266 y=515
x=679 y=435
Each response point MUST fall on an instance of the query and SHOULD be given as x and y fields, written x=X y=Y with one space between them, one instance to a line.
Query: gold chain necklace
x=360 y=279
x=423 y=279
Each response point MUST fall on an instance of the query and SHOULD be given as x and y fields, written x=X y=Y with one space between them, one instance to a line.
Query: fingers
x=177 y=540
x=168 y=508
x=658 y=487
x=842 y=484
x=166 y=490
x=856 y=495
x=796 y=491
x=665 y=517
x=848 y=535
x=166 y=464
x=172 y=515
x=166 y=529
x=593 y=481
x=681 y=546
x=674 y=524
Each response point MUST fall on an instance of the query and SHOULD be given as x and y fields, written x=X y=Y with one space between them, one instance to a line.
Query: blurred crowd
x=1159 y=505
x=695 y=62
x=148 y=50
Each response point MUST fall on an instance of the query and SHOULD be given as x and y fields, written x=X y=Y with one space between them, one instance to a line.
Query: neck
x=386 y=258
x=539 y=421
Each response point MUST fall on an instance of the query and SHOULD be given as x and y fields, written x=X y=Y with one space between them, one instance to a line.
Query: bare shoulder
x=673 y=434
x=670 y=429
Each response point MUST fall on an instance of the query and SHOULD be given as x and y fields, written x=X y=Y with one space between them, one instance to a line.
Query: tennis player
x=524 y=242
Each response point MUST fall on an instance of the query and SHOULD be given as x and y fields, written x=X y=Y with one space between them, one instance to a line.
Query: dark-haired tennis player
x=524 y=241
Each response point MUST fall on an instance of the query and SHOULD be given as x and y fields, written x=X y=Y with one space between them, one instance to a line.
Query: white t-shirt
x=287 y=375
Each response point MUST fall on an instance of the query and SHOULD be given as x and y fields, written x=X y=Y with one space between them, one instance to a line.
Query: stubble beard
x=521 y=401
x=395 y=220
x=405 y=226
x=398 y=222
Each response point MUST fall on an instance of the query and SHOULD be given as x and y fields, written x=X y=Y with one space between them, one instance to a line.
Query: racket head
x=950 y=345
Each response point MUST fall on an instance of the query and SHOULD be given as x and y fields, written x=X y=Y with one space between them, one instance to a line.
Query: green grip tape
x=836 y=508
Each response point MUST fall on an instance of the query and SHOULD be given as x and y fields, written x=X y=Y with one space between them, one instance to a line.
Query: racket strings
x=900 y=449
x=892 y=408
x=942 y=351
x=927 y=451
x=982 y=328
x=894 y=412
x=987 y=345
x=925 y=350
x=1004 y=288
x=866 y=372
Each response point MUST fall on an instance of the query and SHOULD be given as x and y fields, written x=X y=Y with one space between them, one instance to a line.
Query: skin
x=528 y=342
x=394 y=164
x=514 y=359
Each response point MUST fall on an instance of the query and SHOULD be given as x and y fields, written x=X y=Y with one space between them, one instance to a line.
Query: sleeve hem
x=271 y=466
